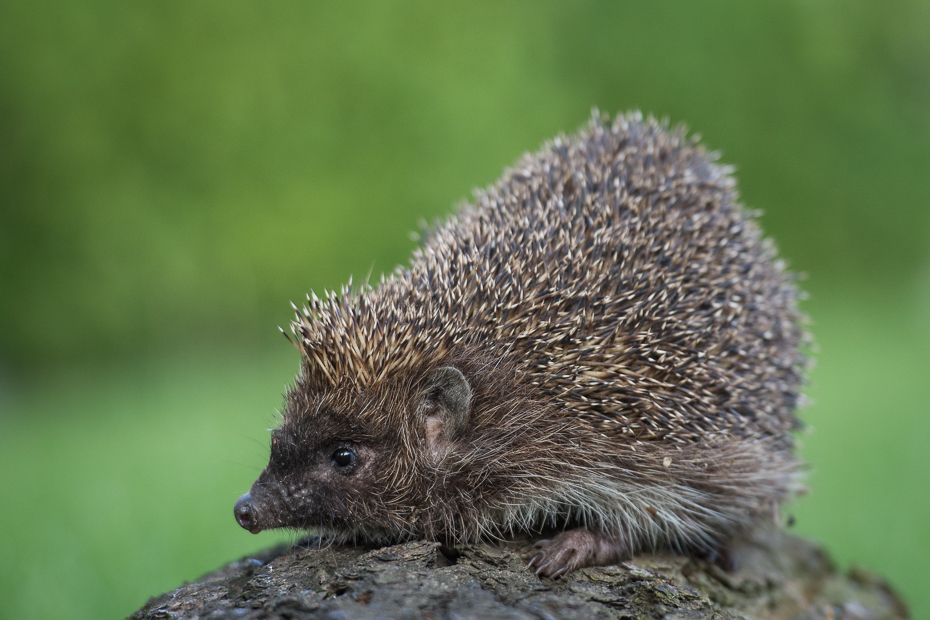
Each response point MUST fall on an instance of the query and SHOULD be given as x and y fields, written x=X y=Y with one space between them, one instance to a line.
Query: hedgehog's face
x=326 y=471
x=341 y=463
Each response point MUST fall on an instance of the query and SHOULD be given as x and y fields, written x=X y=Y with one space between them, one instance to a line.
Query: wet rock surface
x=780 y=577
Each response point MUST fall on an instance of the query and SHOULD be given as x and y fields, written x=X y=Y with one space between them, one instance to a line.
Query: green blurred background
x=173 y=173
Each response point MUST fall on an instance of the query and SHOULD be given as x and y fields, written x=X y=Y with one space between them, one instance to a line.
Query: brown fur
x=631 y=343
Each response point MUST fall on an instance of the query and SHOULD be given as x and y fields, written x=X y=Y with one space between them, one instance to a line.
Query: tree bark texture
x=778 y=577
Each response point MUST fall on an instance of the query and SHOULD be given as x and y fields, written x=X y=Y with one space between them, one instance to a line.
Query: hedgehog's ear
x=444 y=407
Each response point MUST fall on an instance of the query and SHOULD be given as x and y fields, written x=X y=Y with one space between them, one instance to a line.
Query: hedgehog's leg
x=724 y=558
x=576 y=549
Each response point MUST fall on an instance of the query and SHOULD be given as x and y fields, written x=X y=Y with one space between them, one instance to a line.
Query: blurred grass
x=867 y=449
x=120 y=481
x=171 y=174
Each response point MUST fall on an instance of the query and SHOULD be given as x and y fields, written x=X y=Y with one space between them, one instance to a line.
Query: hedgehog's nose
x=246 y=514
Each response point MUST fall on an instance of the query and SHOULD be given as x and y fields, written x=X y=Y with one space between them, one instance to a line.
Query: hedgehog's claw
x=576 y=549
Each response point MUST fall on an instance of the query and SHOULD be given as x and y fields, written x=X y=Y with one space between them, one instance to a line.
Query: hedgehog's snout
x=247 y=513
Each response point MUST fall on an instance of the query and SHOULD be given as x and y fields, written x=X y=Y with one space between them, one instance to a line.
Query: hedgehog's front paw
x=576 y=549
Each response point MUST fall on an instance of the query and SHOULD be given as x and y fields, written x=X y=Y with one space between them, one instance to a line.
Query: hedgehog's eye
x=343 y=457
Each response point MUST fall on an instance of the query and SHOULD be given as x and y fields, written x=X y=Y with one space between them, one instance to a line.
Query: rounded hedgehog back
x=614 y=271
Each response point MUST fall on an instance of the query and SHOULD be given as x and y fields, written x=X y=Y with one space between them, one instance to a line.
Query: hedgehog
x=602 y=346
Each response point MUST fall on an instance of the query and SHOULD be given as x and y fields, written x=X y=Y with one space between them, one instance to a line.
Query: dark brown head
x=408 y=457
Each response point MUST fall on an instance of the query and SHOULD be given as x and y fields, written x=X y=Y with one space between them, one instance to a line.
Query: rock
x=778 y=577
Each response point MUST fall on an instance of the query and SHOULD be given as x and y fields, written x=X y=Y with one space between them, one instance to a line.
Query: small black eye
x=343 y=457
